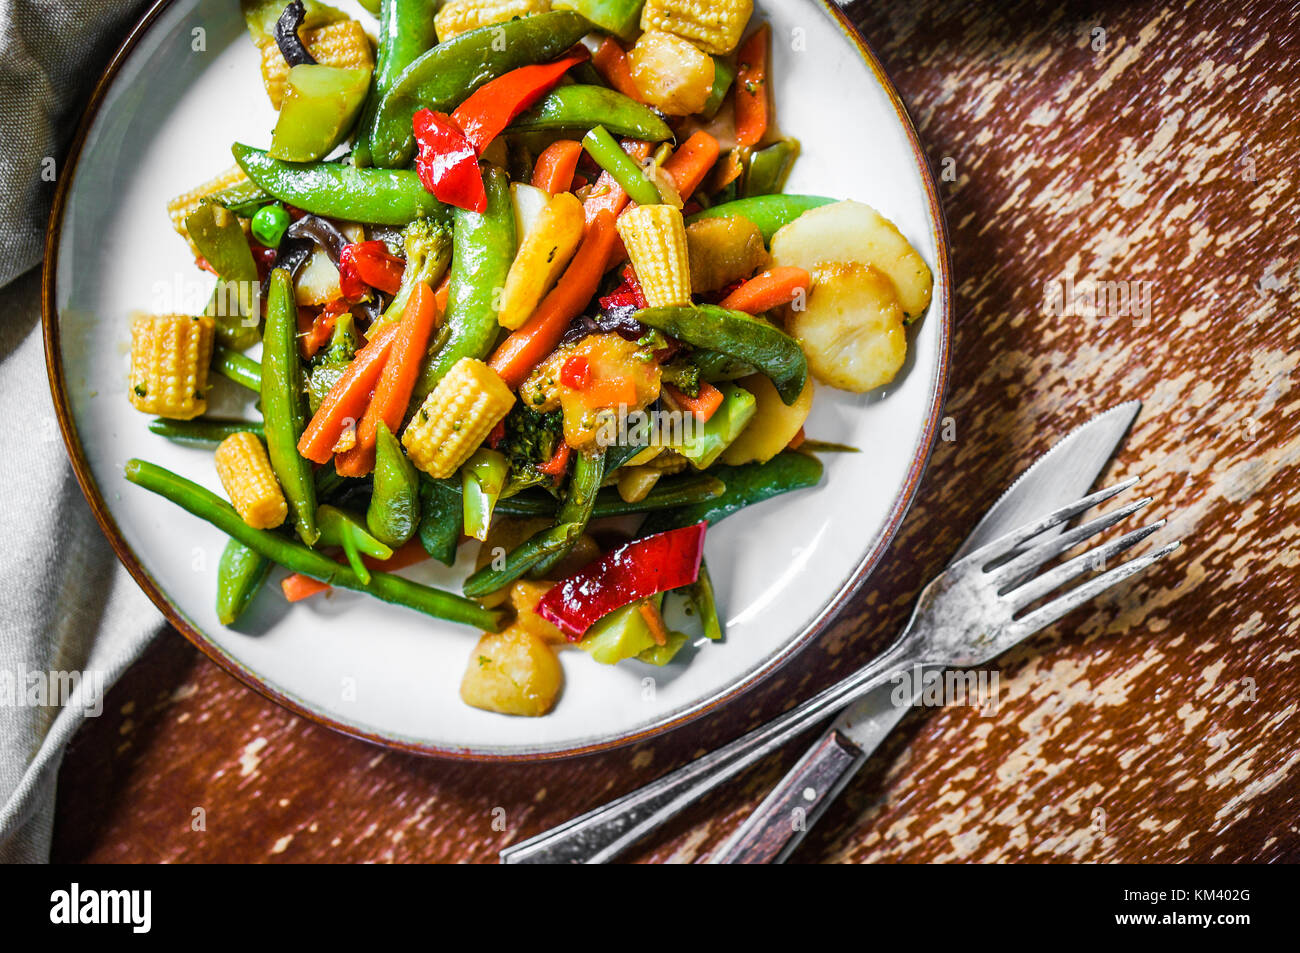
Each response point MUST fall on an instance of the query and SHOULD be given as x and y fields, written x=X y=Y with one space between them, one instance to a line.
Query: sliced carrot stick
x=797 y=440
x=556 y=166
x=654 y=622
x=751 y=88
x=393 y=390
x=769 y=290
x=607 y=195
x=523 y=350
x=610 y=61
x=347 y=399
x=703 y=406
x=609 y=392
x=298 y=587
x=692 y=161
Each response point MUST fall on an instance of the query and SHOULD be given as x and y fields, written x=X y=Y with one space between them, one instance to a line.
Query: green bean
x=549 y=542
x=338 y=190
x=746 y=485
x=240 y=577
x=588 y=474
x=341 y=528
x=484 y=250
x=202 y=431
x=609 y=155
x=448 y=74
x=768 y=212
x=668 y=494
x=406 y=31
x=580 y=107
x=240 y=368
x=283 y=400
x=295 y=557
x=739 y=336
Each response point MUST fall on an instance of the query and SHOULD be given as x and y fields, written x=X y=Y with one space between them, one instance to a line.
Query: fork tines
x=1014 y=578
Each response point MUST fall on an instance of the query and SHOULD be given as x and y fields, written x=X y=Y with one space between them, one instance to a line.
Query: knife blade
x=1061 y=475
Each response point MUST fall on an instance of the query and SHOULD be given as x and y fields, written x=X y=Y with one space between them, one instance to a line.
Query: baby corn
x=245 y=472
x=456 y=417
x=655 y=237
x=170 y=354
x=714 y=26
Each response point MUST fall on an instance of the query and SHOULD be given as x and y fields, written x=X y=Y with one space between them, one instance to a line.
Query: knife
x=1063 y=474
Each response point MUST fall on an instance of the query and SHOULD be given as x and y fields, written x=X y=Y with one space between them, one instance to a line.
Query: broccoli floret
x=332 y=361
x=428 y=255
x=685 y=377
x=531 y=439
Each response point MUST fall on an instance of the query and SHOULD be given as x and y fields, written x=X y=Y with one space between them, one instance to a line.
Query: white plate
x=185 y=86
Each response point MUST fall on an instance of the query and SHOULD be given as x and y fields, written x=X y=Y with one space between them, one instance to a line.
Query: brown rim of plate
x=941 y=310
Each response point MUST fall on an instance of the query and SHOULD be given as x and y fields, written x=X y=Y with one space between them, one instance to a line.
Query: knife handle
x=779 y=824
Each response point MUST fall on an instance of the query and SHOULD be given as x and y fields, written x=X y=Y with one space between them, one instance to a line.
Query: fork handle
x=601 y=835
x=779 y=824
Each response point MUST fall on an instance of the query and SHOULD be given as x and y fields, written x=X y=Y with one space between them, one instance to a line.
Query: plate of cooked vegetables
x=498 y=378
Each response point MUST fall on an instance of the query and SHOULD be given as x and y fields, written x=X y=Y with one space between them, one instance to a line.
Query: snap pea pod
x=627 y=172
x=738 y=336
x=701 y=595
x=240 y=368
x=240 y=576
x=746 y=485
x=220 y=239
x=295 y=557
x=588 y=474
x=243 y=198
x=394 y=511
x=283 y=400
x=406 y=31
x=768 y=168
x=483 y=477
x=338 y=190
x=483 y=251
x=769 y=212
x=581 y=107
x=441 y=519
x=523 y=558
x=201 y=432
x=446 y=75
x=620 y=17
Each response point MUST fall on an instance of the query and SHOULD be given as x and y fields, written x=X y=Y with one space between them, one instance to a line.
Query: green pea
x=270 y=224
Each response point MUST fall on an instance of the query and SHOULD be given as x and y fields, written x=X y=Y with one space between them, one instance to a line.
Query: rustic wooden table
x=1146 y=142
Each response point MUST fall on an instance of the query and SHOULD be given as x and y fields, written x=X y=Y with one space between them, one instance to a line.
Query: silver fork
x=967 y=616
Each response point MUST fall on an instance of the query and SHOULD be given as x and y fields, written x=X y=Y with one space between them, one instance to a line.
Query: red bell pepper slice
x=366 y=265
x=559 y=461
x=626 y=295
x=447 y=162
x=493 y=106
x=636 y=570
x=576 y=372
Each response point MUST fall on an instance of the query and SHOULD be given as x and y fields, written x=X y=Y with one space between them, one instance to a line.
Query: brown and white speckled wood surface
x=1159 y=724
